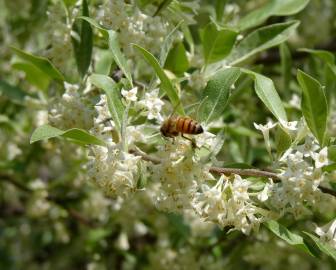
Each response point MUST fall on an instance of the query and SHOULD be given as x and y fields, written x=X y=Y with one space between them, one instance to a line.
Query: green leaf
x=329 y=77
x=329 y=168
x=314 y=105
x=332 y=153
x=113 y=42
x=220 y=6
x=177 y=60
x=260 y=40
x=167 y=44
x=216 y=94
x=33 y=75
x=103 y=62
x=42 y=63
x=164 y=4
x=272 y=8
x=325 y=248
x=286 y=235
x=286 y=65
x=217 y=42
x=166 y=84
x=12 y=92
x=83 y=46
x=76 y=134
x=326 y=56
x=119 y=58
x=112 y=92
x=267 y=93
x=283 y=140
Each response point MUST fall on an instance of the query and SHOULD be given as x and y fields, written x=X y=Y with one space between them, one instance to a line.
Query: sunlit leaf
x=112 y=92
x=271 y=8
x=325 y=248
x=283 y=140
x=76 y=134
x=260 y=40
x=166 y=84
x=286 y=235
x=314 y=105
x=177 y=60
x=217 y=42
x=266 y=91
x=217 y=93
x=33 y=75
x=112 y=38
x=42 y=63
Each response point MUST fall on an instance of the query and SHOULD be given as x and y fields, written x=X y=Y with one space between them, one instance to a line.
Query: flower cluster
x=300 y=171
x=228 y=203
x=71 y=110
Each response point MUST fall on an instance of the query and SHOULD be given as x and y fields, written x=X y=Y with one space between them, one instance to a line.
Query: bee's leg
x=193 y=143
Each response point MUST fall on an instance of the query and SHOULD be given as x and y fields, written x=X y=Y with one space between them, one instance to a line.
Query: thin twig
x=244 y=172
x=229 y=171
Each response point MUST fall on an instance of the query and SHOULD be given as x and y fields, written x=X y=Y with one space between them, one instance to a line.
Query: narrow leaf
x=286 y=235
x=216 y=94
x=112 y=92
x=286 y=66
x=167 y=44
x=12 y=92
x=113 y=42
x=83 y=46
x=119 y=58
x=260 y=40
x=33 y=75
x=326 y=56
x=103 y=62
x=283 y=140
x=217 y=42
x=177 y=60
x=76 y=134
x=42 y=63
x=314 y=105
x=164 y=4
x=266 y=91
x=166 y=84
x=272 y=8
x=325 y=248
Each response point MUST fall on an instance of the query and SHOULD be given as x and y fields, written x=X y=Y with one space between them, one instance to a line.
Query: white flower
x=135 y=134
x=265 y=131
x=116 y=172
x=239 y=188
x=228 y=204
x=206 y=139
x=153 y=104
x=327 y=233
x=130 y=95
x=295 y=101
x=264 y=194
x=122 y=241
x=309 y=147
x=289 y=126
x=321 y=158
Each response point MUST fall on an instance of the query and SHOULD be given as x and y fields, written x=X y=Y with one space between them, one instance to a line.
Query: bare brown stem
x=229 y=171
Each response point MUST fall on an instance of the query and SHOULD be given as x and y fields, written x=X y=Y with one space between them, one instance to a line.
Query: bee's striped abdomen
x=188 y=126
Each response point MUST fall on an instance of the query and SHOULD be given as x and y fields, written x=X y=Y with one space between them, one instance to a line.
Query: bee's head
x=163 y=129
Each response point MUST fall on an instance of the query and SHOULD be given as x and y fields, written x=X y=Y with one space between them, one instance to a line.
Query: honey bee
x=173 y=126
